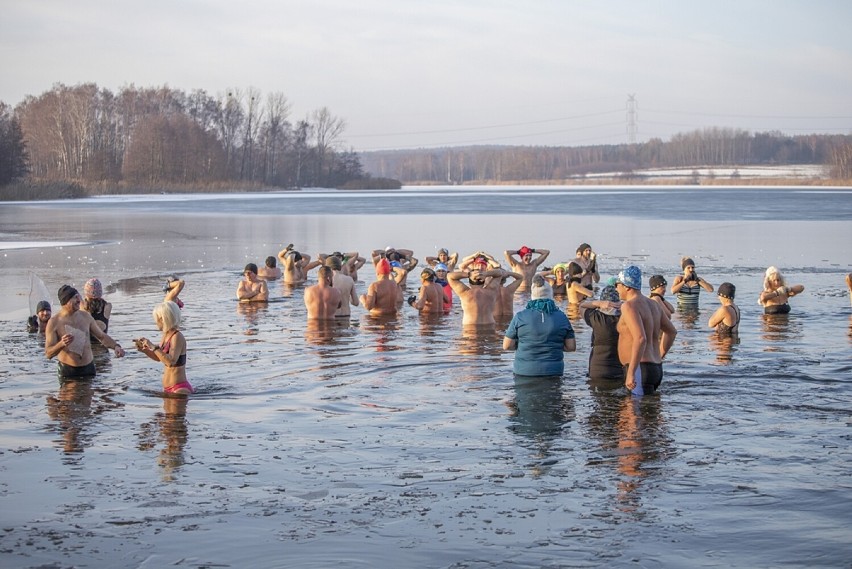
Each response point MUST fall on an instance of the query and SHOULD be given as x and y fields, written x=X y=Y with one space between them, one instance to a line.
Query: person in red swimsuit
x=171 y=351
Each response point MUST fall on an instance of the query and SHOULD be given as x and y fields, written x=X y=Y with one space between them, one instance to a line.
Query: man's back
x=322 y=301
x=346 y=286
x=386 y=294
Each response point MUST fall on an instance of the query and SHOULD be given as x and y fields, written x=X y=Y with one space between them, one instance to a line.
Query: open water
x=409 y=443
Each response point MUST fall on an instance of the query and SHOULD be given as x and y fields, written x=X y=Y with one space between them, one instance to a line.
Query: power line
x=475 y=128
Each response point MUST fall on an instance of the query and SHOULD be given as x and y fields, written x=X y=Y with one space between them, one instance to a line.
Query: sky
x=409 y=74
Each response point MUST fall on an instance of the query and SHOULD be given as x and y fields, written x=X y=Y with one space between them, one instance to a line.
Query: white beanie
x=541 y=288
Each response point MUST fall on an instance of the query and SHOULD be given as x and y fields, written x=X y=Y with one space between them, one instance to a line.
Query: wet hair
x=251 y=267
x=169 y=313
x=427 y=274
x=333 y=262
x=271 y=262
x=325 y=272
x=43 y=305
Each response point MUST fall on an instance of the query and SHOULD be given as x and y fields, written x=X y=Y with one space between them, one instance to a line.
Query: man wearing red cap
x=479 y=296
x=526 y=265
x=383 y=296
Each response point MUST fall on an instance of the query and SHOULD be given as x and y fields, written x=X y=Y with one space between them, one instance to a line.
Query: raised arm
x=542 y=255
x=456 y=284
x=175 y=288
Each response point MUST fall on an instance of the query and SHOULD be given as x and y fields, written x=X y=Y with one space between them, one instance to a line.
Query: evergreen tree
x=13 y=150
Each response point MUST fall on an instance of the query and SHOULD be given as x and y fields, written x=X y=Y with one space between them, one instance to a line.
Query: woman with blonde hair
x=171 y=351
x=776 y=293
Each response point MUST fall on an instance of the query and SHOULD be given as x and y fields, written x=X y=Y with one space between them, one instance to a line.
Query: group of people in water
x=631 y=332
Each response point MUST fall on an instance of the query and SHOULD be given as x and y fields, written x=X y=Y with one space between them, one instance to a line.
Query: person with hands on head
x=295 y=265
x=67 y=337
x=479 y=296
x=173 y=288
x=505 y=306
x=588 y=261
x=776 y=292
x=252 y=288
x=525 y=264
x=171 y=351
x=558 y=278
x=432 y=297
x=688 y=285
x=445 y=258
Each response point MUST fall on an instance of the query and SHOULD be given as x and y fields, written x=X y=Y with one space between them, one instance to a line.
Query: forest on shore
x=76 y=141
x=73 y=141
x=721 y=148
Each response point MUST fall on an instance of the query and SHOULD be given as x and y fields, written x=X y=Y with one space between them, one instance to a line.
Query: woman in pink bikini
x=171 y=350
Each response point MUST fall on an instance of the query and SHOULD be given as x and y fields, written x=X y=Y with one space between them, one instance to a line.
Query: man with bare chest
x=67 y=337
x=645 y=334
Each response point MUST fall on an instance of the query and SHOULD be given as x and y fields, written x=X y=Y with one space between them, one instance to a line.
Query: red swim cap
x=383 y=267
x=523 y=251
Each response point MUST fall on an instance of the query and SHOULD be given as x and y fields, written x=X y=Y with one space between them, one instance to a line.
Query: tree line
x=701 y=148
x=161 y=137
x=97 y=141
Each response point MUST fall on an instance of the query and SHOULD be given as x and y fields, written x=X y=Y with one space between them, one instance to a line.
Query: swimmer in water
x=776 y=293
x=171 y=351
x=726 y=319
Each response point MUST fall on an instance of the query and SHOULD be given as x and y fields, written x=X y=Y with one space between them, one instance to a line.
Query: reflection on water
x=724 y=346
x=253 y=313
x=687 y=316
x=632 y=439
x=779 y=329
x=384 y=330
x=72 y=409
x=169 y=429
x=481 y=340
x=537 y=413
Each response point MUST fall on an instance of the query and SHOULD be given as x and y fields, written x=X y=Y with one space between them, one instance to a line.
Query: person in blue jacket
x=539 y=334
